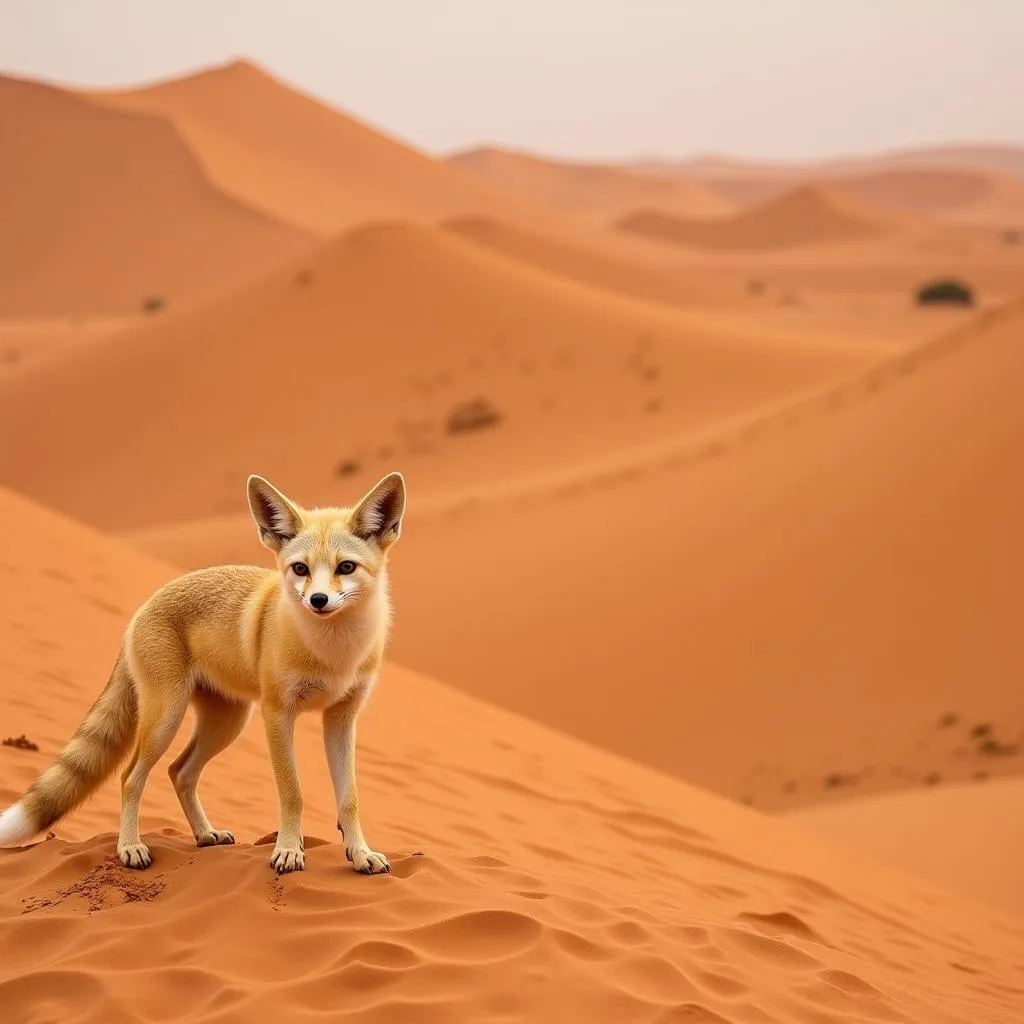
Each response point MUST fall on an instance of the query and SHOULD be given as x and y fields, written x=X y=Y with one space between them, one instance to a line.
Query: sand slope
x=964 y=837
x=594 y=190
x=300 y=160
x=860 y=550
x=354 y=360
x=534 y=878
x=104 y=209
x=807 y=215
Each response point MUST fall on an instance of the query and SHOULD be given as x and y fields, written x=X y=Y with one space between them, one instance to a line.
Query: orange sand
x=385 y=331
x=535 y=878
x=965 y=837
x=104 y=210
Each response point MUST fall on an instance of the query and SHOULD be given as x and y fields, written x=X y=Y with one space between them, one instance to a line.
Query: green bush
x=945 y=292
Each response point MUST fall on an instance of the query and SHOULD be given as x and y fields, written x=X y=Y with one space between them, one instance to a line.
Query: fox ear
x=378 y=517
x=278 y=519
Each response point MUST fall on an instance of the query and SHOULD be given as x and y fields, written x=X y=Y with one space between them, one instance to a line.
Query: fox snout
x=318 y=601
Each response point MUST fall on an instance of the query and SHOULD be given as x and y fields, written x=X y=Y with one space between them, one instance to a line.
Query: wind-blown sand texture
x=106 y=210
x=534 y=877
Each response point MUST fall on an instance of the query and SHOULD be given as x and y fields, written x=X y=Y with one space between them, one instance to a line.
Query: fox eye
x=346 y=568
x=300 y=568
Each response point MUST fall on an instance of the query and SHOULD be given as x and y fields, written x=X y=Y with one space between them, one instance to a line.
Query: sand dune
x=594 y=190
x=848 y=553
x=326 y=373
x=856 y=552
x=807 y=215
x=966 y=837
x=104 y=210
x=300 y=160
x=534 y=877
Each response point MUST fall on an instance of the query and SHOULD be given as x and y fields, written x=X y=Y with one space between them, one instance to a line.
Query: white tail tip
x=15 y=825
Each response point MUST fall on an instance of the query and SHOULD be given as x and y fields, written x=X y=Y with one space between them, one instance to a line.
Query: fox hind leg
x=219 y=722
x=161 y=711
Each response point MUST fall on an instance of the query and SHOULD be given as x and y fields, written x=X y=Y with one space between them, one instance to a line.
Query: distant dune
x=534 y=878
x=326 y=373
x=301 y=160
x=105 y=210
x=808 y=215
x=999 y=159
x=595 y=190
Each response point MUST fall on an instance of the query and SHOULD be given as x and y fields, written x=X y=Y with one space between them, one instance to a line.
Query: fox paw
x=287 y=858
x=366 y=861
x=215 y=837
x=135 y=855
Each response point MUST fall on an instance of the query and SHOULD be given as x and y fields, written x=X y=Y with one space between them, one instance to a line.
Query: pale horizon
x=599 y=82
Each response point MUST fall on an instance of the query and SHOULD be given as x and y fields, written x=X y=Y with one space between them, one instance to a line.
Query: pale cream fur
x=228 y=637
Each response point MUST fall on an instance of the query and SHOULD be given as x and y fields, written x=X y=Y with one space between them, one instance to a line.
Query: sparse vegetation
x=946 y=291
x=1014 y=236
x=304 y=277
x=472 y=415
x=153 y=304
x=347 y=467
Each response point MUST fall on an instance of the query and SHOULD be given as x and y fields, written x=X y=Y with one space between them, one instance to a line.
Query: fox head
x=331 y=559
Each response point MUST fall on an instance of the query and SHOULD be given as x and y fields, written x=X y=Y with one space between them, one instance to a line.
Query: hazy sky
x=584 y=78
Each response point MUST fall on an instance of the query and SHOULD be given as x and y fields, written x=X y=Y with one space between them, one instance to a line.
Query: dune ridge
x=594 y=190
x=300 y=160
x=807 y=215
x=470 y=325
x=105 y=210
x=517 y=889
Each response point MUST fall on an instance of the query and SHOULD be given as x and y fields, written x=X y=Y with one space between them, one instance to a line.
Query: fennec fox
x=306 y=637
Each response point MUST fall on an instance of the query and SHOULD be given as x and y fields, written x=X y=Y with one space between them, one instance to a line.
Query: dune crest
x=391 y=332
x=808 y=215
x=106 y=211
x=300 y=160
x=533 y=875
x=594 y=190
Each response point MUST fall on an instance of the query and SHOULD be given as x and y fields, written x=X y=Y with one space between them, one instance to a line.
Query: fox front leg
x=289 y=854
x=340 y=745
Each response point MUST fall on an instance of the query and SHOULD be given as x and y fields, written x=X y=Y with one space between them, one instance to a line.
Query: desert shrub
x=945 y=292
x=153 y=304
x=1014 y=236
x=347 y=467
x=473 y=415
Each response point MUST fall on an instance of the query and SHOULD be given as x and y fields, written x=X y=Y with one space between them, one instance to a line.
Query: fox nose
x=318 y=601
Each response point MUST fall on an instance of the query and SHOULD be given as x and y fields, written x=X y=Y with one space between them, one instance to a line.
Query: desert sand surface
x=534 y=877
x=702 y=700
x=841 y=566
x=106 y=210
x=594 y=190
x=963 y=837
x=27 y=343
x=389 y=331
